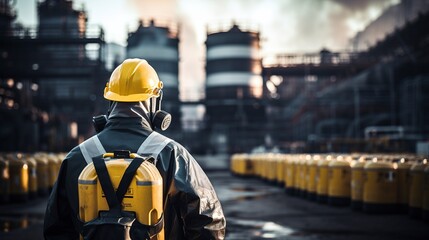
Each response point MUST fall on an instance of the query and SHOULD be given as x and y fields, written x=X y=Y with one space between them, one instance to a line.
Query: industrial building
x=372 y=100
x=373 y=93
x=323 y=130
x=235 y=112
x=51 y=73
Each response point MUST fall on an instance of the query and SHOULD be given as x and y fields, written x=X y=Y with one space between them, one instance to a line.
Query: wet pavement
x=255 y=210
x=22 y=221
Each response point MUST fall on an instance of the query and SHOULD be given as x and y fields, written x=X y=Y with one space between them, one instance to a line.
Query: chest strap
x=151 y=146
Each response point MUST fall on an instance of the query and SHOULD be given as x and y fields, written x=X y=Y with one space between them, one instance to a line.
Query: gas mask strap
x=159 y=100
x=153 y=107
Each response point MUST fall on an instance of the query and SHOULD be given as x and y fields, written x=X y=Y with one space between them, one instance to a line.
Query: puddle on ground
x=245 y=189
x=328 y=232
x=238 y=229
x=243 y=192
x=9 y=223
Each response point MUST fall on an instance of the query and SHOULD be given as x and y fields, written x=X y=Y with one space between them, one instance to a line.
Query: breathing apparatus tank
x=143 y=196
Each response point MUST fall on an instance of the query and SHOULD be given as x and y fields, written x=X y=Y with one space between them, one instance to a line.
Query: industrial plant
x=339 y=128
x=368 y=98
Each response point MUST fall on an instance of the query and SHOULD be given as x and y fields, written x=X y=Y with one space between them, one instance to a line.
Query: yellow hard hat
x=133 y=81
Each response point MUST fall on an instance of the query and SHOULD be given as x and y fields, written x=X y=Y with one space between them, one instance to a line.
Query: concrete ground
x=255 y=210
x=258 y=210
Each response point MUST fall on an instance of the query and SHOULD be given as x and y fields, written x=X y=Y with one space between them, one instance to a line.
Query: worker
x=191 y=207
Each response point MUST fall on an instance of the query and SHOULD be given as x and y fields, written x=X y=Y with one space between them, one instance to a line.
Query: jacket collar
x=133 y=114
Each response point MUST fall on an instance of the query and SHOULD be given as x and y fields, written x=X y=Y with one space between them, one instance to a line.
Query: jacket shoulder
x=175 y=146
x=73 y=154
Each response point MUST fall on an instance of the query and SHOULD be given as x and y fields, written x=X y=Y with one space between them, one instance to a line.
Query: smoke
x=285 y=25
x=156 y=9
x=362 y=5
x=289 y=25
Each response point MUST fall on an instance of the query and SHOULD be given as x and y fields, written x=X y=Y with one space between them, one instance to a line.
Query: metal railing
x=172 y=26
x=57 y=31
x=225 y=26
x=320 y=58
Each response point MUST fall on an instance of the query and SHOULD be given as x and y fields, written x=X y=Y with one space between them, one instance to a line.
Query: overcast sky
x=286 y=26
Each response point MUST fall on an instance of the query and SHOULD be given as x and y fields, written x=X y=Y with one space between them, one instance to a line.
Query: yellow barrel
x=280 y=169
x=263 y=159
x=4 y=181
x=322 y=179
x=32 y=177
x=357 y=184
x=297 y=176
x=266 y=163
x=304 y=175
x=339 y=177
x=232 y=163
x=235 y=164
x=144 y=195
x=236 y=161
x=53 y=168
x=311 y=177
x=425 y=205
x=246 y=165
x=250 y=167
x=272 y=169
x=417 y=177
x=403 y=173
x=285 y=166
x=18 y=185
x=42 y=173
x=300 y=184
x=268 y=172
x=262 y=166
x=253 y=161
x=265 y=166
x=257 y=165
x=290 y=175
x=242 y=164
x=380 y=187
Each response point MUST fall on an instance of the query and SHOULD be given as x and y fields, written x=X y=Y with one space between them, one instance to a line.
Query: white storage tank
x=158 y=43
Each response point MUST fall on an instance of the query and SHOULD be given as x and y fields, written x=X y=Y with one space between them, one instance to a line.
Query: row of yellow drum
x=26 y=176
x=373 y=183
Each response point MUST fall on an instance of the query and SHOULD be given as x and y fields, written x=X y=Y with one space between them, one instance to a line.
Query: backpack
x=134 y=210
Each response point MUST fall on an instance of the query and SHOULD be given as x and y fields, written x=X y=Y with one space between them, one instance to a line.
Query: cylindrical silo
x=234 y=88
x=159 y=45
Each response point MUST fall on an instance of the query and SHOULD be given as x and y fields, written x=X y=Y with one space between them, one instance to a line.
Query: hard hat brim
x=128 y=98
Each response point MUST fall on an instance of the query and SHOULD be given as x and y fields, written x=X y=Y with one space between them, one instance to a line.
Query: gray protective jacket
x=191 y=207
